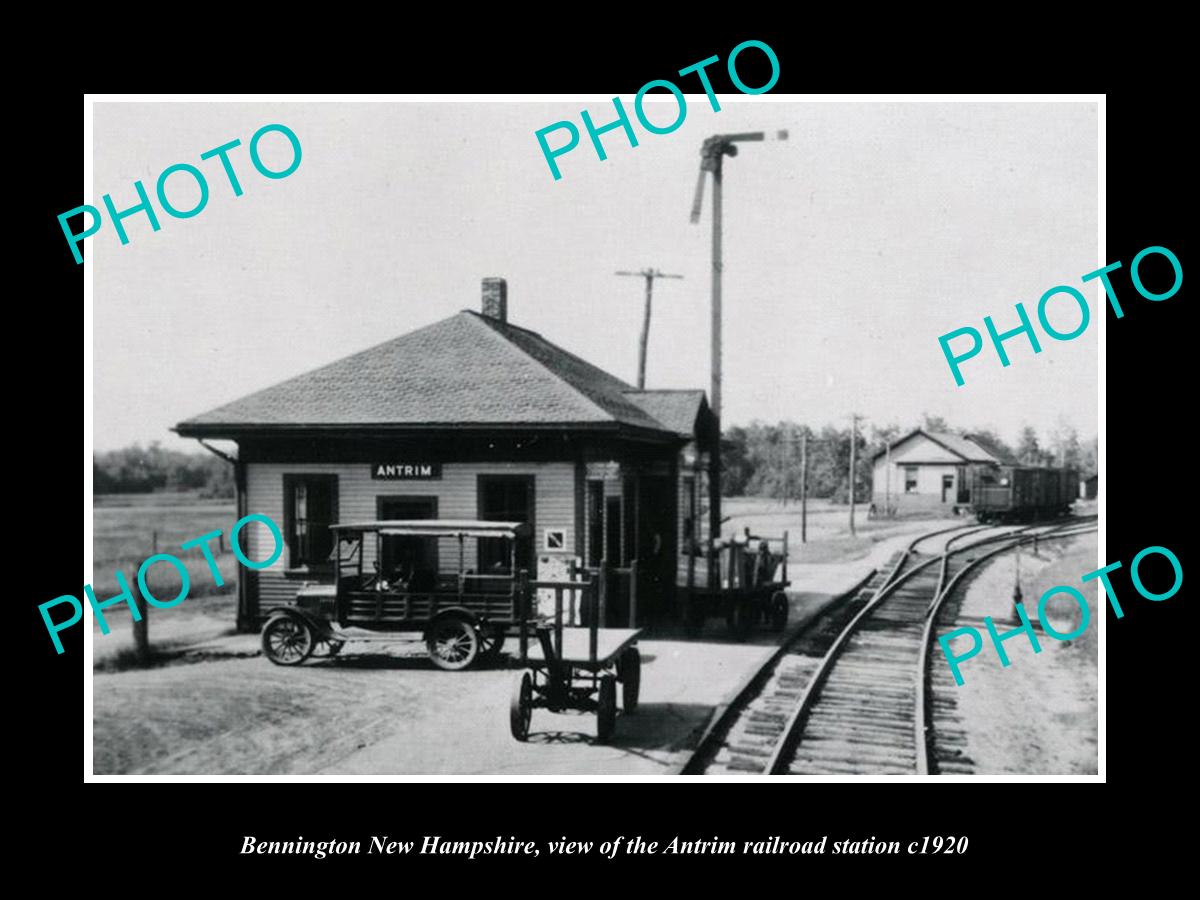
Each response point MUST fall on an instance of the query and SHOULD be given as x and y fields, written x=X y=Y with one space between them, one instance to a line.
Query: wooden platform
x=609 y=644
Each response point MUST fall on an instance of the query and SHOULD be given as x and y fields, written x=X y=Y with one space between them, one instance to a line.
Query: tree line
x=764 y=460
x=759 y=459
x=143 y=470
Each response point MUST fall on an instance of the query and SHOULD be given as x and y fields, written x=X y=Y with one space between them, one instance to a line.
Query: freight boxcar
x=1022 y=493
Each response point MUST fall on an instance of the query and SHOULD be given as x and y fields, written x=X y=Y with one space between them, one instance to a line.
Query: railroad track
x=848 y=694
x=937 y=712
x=741 y=736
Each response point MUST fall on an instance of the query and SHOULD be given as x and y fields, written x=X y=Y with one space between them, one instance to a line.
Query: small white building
x=928 y=471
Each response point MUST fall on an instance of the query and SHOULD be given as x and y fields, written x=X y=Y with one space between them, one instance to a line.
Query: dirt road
x=392 y=714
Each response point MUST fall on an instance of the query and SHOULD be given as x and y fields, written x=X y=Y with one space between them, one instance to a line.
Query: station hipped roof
x=468 y=370
x=677 y=410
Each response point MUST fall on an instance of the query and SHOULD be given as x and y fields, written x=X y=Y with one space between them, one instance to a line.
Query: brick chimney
x=495 y=299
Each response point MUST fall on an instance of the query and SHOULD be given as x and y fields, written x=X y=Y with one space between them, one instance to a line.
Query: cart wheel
x=520 y=710
x=491 y=643
x=779 y=611
x=739 y=618
x=287 y=641
x=629 y=672
x=326 y=647
x=606 y=709
x=453 y=643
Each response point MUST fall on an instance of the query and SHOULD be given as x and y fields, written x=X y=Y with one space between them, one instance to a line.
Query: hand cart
x=574 y=667
x=750 y=585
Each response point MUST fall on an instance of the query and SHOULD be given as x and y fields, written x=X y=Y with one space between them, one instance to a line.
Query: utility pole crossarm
x=649 y=274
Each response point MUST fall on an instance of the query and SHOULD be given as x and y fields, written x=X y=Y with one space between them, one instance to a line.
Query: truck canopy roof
x=438 y=528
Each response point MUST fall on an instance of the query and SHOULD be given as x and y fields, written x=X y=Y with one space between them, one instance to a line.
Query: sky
x=849 y=249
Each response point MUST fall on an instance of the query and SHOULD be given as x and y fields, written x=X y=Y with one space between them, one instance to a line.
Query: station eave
x=240 y=431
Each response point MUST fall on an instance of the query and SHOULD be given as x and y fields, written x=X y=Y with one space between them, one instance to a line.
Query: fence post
x=141 y=628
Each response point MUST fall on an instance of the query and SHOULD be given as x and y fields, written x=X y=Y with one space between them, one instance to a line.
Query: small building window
x=910 y=479
x=310 y=507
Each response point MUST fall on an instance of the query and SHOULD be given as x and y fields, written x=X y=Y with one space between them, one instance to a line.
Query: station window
x=910 y=479
x=505 y=498
x=310 y=507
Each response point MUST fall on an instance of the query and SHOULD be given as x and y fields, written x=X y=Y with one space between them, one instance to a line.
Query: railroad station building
x=472 y=417
x=929 y=472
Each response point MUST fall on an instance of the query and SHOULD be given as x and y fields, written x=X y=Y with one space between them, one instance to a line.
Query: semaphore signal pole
x=712 y=153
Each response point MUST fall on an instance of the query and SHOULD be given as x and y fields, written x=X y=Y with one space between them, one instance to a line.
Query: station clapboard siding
x=554 y=502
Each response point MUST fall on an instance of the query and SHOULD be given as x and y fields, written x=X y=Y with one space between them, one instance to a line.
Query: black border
x=1025 y=832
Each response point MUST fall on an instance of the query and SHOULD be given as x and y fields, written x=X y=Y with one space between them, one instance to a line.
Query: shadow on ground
x=641 y=731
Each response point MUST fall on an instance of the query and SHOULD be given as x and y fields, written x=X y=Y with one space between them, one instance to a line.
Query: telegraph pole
x=785 y=458
x=783 y=473
x=853 y=443
x=804 y=487
x=649 y=274
x=887 y=480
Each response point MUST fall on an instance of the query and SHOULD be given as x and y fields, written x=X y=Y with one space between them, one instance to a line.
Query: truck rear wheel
x=453 y=643
x=491 y=642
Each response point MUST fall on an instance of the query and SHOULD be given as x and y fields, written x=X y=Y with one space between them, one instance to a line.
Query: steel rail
x=779 y=756
x=922 y=725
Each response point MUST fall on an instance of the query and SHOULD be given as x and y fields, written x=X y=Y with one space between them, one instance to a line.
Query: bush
x=138 y=470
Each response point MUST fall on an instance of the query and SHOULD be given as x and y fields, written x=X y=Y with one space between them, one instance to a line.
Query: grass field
x=124 y=530
x=829 y=538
